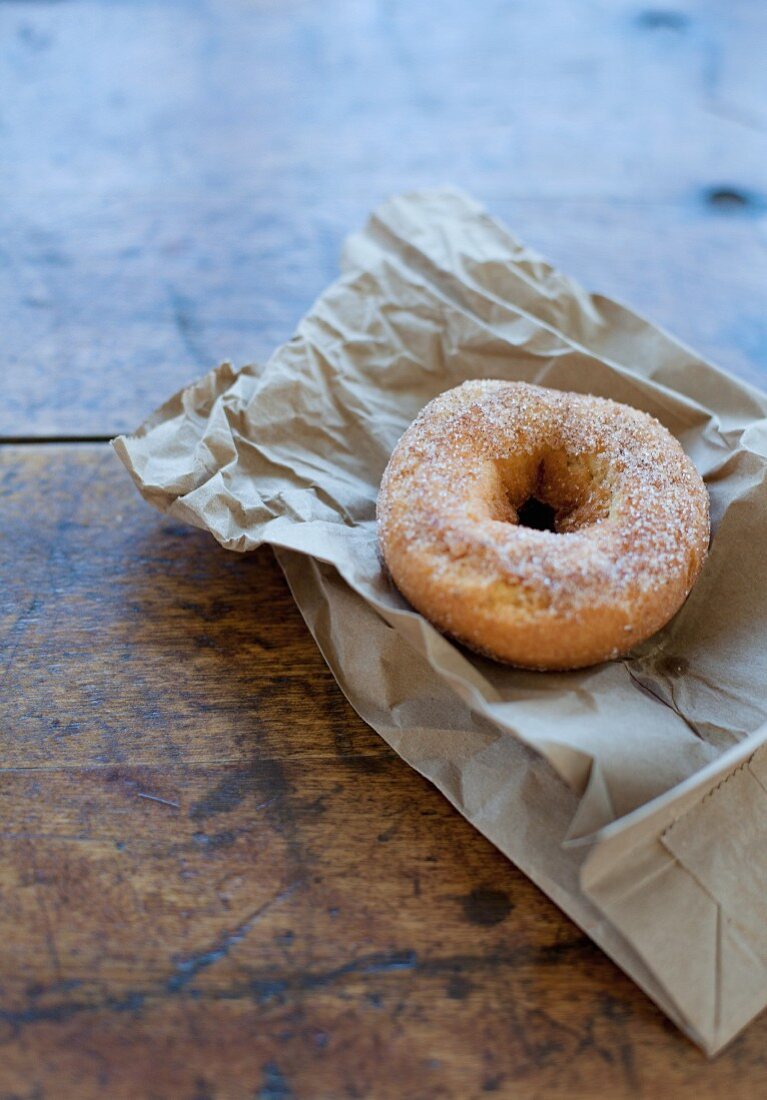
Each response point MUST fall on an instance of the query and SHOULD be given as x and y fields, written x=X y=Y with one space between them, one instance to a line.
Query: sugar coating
x=631 y=521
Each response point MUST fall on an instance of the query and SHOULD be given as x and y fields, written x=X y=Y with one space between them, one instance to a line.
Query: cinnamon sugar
x=631 y=510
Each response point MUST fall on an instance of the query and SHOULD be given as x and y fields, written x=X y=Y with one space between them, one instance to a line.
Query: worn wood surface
x=176 y=177
x=216 y=881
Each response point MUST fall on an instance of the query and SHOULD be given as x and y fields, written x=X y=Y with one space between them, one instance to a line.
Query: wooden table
x=215 y=880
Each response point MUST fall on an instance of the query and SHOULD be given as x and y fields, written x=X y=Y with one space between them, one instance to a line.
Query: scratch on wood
x=187 y=968
x=162 y=801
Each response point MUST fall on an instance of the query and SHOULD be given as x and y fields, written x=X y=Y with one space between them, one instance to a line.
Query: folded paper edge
x=629 y=839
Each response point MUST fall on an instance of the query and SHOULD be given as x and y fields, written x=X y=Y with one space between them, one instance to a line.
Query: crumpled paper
x=584 y=779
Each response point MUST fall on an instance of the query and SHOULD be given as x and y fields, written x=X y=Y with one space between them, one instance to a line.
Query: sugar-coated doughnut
x=627 y=509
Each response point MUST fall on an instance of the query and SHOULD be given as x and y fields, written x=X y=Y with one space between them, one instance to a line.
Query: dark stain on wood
x=261 y=778
x=486 y=906
x=735 y=200
x=663 y=19
x=458 y=987
x=275 y=1085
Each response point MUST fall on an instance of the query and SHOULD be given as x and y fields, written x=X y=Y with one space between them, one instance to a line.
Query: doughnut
x=543 y=529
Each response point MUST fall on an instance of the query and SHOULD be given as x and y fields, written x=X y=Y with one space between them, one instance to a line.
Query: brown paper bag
x=633 y=792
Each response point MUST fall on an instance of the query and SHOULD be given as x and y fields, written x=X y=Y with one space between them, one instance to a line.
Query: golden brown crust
x=632 y=526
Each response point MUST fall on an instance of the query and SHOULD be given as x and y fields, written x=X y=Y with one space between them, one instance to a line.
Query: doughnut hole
x=537 y=515
x=556 y=491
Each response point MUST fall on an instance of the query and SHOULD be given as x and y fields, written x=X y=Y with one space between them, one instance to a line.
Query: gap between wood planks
x=35 y=440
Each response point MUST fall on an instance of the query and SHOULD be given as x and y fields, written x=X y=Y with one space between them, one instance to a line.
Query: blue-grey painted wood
x=176 y=176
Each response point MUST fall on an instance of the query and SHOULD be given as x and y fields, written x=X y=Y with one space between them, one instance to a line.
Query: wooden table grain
x=215 y=880
x=176 y=178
